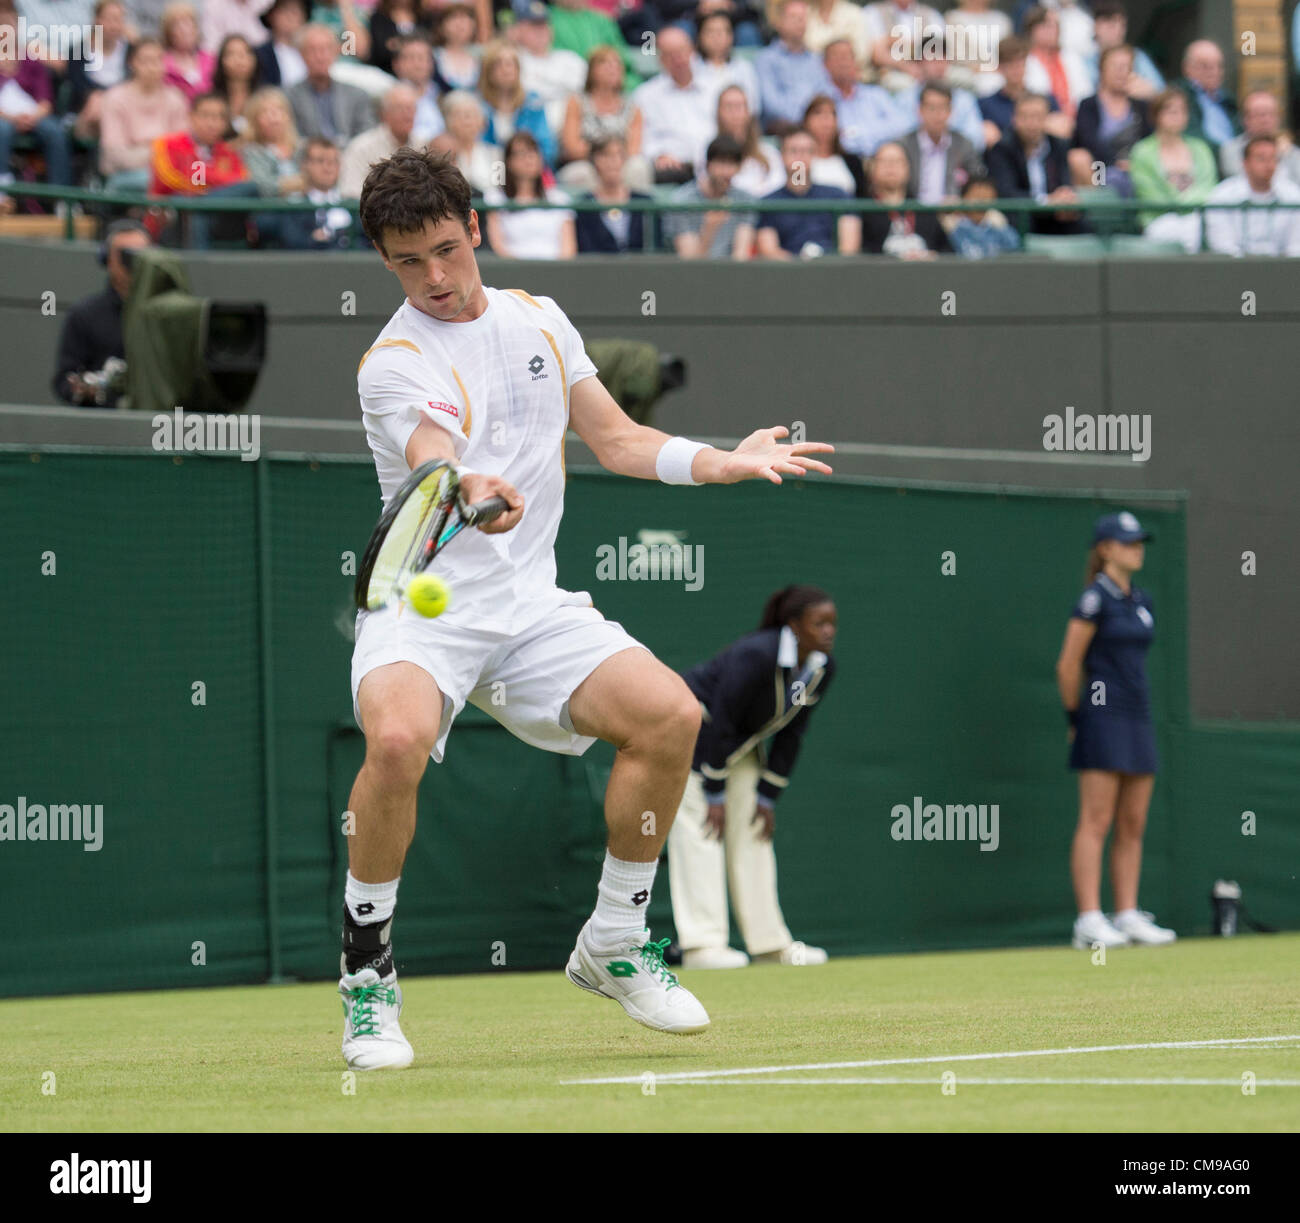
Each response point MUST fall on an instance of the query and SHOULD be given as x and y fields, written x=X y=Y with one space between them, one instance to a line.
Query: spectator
x=615 y=230
x=1246 y=232
x=413 y=66
x=530 y=233
x=720 y=233
x=455 y=56
x=832 y=165
x=1110 y=26
x=1171 y=167
x=236 y=78
x=392 y=132
x=224 y=18
x=391 y=21
x=900 y=232
x=838 y=21
x=999 y=108
x=1051 y=69
x=270 y=145
x=197 y=161
x=321 y=105
x=744 y=16
x=185 y=64
x=979 y=235
x=341 y=18
x=433 y=11
x=92 y=330
x=788 y=73
x=602 y=109
x=554 y=76
x=331 y=227
x=580 y=27
x=792 y=235
x=134 y=114
x=718 y=65
x=1030 y=163
x=27 y=109
x=88 y=78
x=278 y=57
x=678 y=110
x=761 y=171
x=1260 y=116
x=463 y=139
x=1109 y=124
x=509 y=107
x=964 y=110
x=867 y=114
x=890 y=27
x=942 y=160
x=984 y=27
x=1075 y=22
x=1212 y=110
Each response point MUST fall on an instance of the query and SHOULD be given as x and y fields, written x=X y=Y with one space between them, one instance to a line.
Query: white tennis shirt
x=500 y=386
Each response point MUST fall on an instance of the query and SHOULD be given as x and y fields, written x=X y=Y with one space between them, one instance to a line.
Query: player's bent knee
x=400 y=749
x=674 y=718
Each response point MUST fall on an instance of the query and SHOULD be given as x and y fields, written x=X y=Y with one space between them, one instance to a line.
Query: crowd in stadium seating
x=618 y=100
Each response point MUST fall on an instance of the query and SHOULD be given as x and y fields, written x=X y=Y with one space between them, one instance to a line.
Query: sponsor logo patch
x=450 y=408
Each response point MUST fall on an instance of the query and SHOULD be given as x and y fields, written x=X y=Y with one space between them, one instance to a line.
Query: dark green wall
x=945 y=690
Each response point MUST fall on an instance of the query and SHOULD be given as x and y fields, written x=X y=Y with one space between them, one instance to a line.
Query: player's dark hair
x=789 y=603
x=411 y=187
x=1094 y=566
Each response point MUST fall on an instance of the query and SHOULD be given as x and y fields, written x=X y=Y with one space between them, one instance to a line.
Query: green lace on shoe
x=652 y=959
x=364 y=1020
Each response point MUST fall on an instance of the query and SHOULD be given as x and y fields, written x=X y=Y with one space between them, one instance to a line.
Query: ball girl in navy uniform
x=1103 y=682
x=757 y=696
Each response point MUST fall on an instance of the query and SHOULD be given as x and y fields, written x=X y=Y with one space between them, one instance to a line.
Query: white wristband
x=673 y=464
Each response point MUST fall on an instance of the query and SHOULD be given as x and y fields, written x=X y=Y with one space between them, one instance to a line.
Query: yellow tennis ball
x=429 y=595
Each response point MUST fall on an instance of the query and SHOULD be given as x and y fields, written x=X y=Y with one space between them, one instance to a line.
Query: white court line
x=682 y=1076
x=965 y=1082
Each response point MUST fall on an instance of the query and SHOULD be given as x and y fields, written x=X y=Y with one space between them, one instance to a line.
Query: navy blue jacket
x=749 y=703
x=595 y=238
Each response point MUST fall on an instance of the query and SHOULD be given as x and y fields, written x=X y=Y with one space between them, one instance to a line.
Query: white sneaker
x=1141 y=928
x=372 y=1037
x=635 y=976
x=714 y=957
x=1094 y=928
x=797 y=955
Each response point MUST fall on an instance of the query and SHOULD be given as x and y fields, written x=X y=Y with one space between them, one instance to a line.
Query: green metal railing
x=1110 y=208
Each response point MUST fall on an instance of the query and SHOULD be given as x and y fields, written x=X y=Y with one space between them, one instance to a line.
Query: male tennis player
x=490 y=380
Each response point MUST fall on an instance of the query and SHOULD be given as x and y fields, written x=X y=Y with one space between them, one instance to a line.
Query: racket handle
x=484 y=511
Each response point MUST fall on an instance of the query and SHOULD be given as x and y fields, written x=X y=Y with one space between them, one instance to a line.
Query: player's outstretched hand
x=475 y=486
x=762 y=456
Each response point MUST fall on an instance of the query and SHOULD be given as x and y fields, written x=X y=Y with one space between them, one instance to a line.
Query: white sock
x=621 y=902
x=1125 y=914
x=1089 y=914
x=370 y=903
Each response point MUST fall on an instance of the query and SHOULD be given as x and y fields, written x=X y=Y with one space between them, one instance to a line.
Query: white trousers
x=699 y=869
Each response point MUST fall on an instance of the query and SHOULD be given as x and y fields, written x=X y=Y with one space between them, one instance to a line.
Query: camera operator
x=92 y=333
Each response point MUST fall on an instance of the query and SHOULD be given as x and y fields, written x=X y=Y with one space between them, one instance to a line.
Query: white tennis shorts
x=523 y=680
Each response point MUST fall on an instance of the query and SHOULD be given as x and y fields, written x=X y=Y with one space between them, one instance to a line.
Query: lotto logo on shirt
x=450 y=408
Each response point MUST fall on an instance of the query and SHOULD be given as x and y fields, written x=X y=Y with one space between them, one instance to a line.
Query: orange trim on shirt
x=469 y=412
x=528 y=297
x=387 y=344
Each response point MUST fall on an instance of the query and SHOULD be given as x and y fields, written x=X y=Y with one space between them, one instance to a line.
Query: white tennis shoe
x=636 y=977
x=1139 y=927
x=1094 y=928
x=372 y=1037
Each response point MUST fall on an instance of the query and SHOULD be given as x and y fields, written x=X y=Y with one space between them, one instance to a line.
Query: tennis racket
x=424 y=516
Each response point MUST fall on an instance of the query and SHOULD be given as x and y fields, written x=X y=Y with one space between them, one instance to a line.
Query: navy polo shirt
x=1117 y=654
x=795 y=230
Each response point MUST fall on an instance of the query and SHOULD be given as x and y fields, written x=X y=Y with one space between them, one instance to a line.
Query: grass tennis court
x=506 y=1052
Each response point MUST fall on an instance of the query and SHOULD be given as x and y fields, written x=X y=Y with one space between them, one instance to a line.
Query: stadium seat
x=1136 y=244
x=1065 y=246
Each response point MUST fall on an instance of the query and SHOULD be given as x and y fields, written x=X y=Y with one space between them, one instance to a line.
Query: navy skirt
x=1115 y=742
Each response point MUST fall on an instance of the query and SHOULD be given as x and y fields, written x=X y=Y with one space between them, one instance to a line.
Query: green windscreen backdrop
x=179 y=641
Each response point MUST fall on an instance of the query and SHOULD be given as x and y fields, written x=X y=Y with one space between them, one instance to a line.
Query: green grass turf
x=491 y=1051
